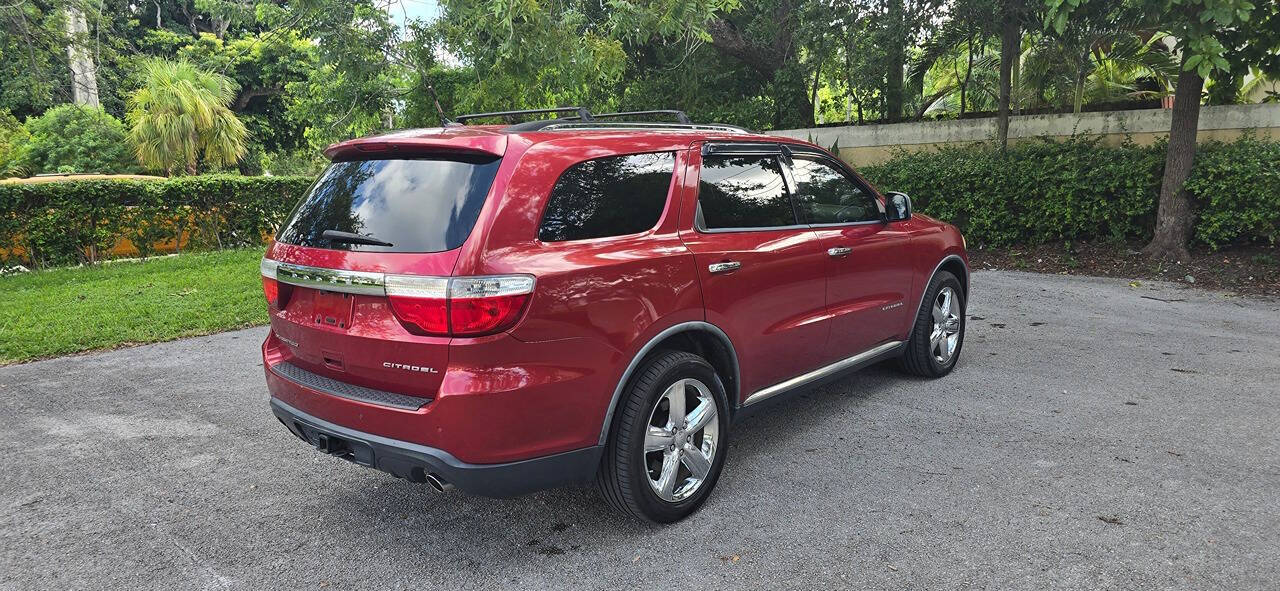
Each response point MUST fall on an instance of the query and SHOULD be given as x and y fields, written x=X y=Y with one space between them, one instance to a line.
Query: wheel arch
x=954 y=264
x=701 y=338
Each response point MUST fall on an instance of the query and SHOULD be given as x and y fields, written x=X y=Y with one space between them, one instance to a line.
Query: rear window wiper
x=353 y=238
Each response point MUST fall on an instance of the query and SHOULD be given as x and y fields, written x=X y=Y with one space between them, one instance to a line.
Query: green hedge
x=1079 y=190
x=73 y=221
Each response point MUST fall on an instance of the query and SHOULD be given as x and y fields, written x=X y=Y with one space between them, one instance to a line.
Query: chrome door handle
x=839 y=251
x=724 y=267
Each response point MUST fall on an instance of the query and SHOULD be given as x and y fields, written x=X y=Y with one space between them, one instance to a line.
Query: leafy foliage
x=1238 y=185
x=180 y=118
x=72 y=221
x=1080 y=189
x=13 y=144
x=76 y=138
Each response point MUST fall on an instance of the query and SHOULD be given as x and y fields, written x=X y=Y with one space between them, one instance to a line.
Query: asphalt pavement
x=1096 y=434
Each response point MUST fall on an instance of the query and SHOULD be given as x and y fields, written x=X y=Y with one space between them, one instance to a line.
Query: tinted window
x=824 y=195
x=416 y=205
x=743 y=192
x=608 y=197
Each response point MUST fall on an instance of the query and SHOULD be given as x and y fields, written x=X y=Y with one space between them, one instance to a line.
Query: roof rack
x=555 y=125
x=582 y=113
x=679 y=115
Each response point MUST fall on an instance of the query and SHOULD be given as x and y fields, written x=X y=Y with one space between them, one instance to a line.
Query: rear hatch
x=359 y=273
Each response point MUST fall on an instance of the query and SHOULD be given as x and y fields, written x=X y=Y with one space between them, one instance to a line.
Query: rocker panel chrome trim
x=821 y=372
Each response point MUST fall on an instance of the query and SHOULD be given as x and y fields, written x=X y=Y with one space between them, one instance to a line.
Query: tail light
x=458 y=306
x=270 y=287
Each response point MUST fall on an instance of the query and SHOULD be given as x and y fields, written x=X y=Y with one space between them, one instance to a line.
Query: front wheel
x=669 y=441
x=938 y=332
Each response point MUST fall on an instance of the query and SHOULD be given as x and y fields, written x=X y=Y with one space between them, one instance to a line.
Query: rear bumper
x=413 y=462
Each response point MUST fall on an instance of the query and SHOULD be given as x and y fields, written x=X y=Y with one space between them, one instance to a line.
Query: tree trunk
x=897 y=60
x=1078 y=101
x=817 y=76
x=1010 y=39
x=968 y=73
x=84 y=75
x=1174 y=217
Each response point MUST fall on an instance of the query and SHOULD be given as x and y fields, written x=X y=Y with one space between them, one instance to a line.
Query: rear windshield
x=420 y=205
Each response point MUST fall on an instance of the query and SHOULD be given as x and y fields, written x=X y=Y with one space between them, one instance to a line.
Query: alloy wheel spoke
x=946 y=302
x=700 y=416
x=667 y=481
x=675 y=402
x=697 y=462
x=657 y=438
x=939 y=316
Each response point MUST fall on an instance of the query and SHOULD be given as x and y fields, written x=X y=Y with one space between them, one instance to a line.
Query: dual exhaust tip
x=439 y=484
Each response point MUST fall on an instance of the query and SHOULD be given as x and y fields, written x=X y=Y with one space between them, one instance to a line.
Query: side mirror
x=898 y=206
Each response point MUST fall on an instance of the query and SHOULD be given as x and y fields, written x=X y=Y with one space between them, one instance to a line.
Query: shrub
x=73 y=221
x=1237 y=186
x=77 y=138
x=13 y=143
x=1080 y=190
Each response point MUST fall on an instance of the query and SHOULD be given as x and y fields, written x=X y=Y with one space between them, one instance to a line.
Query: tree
x=13 y=144
x=179 y=118
x=1011 y=17
x=1200 y=27
x=76 y=138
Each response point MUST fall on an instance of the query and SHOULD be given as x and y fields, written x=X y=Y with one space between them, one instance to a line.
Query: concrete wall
x=872 y=144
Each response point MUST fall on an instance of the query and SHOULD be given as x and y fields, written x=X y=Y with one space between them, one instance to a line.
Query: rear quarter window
x=612 y=196
x=416 y=205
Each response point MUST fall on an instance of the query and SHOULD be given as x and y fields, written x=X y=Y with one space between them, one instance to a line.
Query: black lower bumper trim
x=332 y=387
x=413 y=462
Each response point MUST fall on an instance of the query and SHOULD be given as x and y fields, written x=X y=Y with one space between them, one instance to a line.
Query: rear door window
x=612 y=196
x=743 y=192
x=415 y=205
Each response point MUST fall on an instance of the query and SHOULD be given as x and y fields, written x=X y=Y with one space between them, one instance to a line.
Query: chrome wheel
x=681 y=440
x=946 y=326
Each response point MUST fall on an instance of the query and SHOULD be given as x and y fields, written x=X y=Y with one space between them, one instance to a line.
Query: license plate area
x=332 y=309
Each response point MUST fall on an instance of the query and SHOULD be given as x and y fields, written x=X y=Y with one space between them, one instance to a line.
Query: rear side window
x=419 y=205
x=612 y=196
x=743 y=192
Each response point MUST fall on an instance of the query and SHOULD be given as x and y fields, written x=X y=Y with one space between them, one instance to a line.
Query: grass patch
x=68 y=310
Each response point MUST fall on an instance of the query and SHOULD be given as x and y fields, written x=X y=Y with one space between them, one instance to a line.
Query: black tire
x=919 y=357
x=624 y=477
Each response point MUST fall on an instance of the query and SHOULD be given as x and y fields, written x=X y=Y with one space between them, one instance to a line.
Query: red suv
x=507 y=308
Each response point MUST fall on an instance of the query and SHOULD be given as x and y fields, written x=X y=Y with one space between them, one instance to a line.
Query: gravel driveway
x=1096 y=434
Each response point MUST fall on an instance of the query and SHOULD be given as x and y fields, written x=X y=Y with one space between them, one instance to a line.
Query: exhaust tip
x=439 y=484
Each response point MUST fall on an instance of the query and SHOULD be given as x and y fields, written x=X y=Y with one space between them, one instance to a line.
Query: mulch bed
x=1246 y=270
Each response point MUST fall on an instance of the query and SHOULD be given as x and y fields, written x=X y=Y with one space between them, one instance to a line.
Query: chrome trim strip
x=639 y=356
x=759 y=229
x=820 y=373
x=357 y=282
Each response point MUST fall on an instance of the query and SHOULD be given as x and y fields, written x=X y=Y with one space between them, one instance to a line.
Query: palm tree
x=1098 y=65
x=180 y=118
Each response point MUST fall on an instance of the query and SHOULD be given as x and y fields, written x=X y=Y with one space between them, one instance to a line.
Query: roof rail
x=679 y=115
x=590 y=125
x=582 y=113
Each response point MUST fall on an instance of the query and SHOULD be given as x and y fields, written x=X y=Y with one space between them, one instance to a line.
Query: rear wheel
x=938 y=333
x=669 y=440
